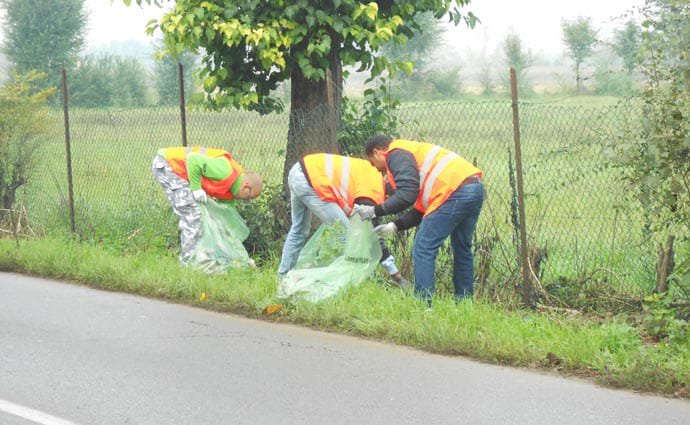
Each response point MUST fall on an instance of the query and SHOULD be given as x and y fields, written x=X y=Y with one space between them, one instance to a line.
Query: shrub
x=376 y=115
x=268 y=219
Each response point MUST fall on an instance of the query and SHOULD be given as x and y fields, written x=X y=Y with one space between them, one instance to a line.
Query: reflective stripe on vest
x=202 y=150
x=426 y=165
x=341 y=192
x=428 y=185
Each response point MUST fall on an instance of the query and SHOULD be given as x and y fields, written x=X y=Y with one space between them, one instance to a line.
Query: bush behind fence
x=586 y=235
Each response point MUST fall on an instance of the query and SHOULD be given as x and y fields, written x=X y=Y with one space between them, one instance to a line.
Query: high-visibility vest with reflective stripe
x=440 y=172
x=177 y=159
x=342 y=179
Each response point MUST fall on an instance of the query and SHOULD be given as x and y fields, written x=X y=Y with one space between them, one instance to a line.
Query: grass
x=607 y=350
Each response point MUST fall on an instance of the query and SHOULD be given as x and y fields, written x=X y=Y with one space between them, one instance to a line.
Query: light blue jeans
x=457 y=218
x=303 y=203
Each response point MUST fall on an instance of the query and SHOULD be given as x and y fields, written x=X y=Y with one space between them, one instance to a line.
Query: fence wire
x=581 y=221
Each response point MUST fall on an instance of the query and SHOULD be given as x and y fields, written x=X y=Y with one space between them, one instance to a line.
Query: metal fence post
x=183 y=114
x=68 y=151
x=528 y=295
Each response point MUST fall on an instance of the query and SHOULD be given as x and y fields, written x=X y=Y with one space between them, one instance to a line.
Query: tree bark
x=314 y=114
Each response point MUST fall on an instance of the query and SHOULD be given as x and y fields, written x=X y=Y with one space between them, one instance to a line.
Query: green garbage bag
x=325 y=245
x=357 y=261
x=220 y=244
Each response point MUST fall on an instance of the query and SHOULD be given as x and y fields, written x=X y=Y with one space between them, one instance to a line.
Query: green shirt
x=219 y=168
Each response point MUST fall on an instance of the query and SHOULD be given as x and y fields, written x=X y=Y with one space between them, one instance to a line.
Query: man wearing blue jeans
x=446 y=193
x=328 y=186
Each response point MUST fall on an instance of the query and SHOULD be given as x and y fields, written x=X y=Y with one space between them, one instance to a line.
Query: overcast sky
x=536 y=21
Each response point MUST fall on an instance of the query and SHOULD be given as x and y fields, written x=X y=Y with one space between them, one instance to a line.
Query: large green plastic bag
x=361 y=254
x=325 y=245
x=220 y=244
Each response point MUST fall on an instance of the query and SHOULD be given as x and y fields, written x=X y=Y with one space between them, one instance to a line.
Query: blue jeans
x=303 y=202
x=457 y=218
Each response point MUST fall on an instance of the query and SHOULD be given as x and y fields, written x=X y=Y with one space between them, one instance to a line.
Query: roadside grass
x=606 y=349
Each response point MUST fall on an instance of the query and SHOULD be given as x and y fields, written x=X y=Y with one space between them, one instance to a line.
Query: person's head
x=375 y=150
x=251 y=186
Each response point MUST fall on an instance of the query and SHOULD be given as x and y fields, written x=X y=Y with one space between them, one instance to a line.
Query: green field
x=578 y=211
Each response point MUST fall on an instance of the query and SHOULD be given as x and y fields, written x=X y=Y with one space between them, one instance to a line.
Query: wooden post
x=528 y=295
x=68 y=151
x=183 y=114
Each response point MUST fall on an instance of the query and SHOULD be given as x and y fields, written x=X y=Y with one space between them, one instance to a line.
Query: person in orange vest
x=328 y=186
x=446 y=194
x=189 y=175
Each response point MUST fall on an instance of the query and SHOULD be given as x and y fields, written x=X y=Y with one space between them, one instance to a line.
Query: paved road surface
x=72 y=355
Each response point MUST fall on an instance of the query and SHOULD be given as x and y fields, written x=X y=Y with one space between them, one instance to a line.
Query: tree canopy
x=518 y=58
x=627 y=45
x=660 y=159
x=250 y=46
x=580 y=37
x=43 y=34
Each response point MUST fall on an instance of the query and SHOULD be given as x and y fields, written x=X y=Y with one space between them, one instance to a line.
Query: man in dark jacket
x=446 y=193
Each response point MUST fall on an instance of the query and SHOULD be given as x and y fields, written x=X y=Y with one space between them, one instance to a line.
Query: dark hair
x=377 y=142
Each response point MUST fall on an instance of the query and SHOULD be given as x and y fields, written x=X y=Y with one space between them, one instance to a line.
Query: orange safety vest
x=440 y=172
x=177 y=159
x=342 y=179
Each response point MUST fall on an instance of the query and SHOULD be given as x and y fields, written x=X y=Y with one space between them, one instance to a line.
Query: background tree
x=580 y=37
x=165 y=71
x=107 y=80
x=130 y=76
x=418 y=47
x=43 y=34
x=515 y=56
x=250 y=46
x=486 y=81
x=418 y=50
x=626 y=44
x=90 y=84
x=23 y=122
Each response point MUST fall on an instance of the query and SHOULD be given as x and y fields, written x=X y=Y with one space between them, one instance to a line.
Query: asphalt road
x=72 y=355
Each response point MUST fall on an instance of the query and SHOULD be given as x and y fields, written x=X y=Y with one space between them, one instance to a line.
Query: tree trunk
x=314 y=114
x=665 y=265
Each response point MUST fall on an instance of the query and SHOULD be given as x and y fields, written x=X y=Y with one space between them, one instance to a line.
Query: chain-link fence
x=582 y=226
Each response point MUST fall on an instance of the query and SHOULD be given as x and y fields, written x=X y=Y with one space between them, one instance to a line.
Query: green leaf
x=407 y=67
x=372 y=10
x=210 y=83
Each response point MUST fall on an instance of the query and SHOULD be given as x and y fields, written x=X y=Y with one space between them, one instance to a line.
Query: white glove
x=366 y=212
x=386 y=230
x=200 y=196
x=251 y=263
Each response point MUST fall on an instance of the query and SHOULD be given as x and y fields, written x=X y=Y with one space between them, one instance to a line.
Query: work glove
x=200 y=196
x=366 y=212
x=386 y=230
